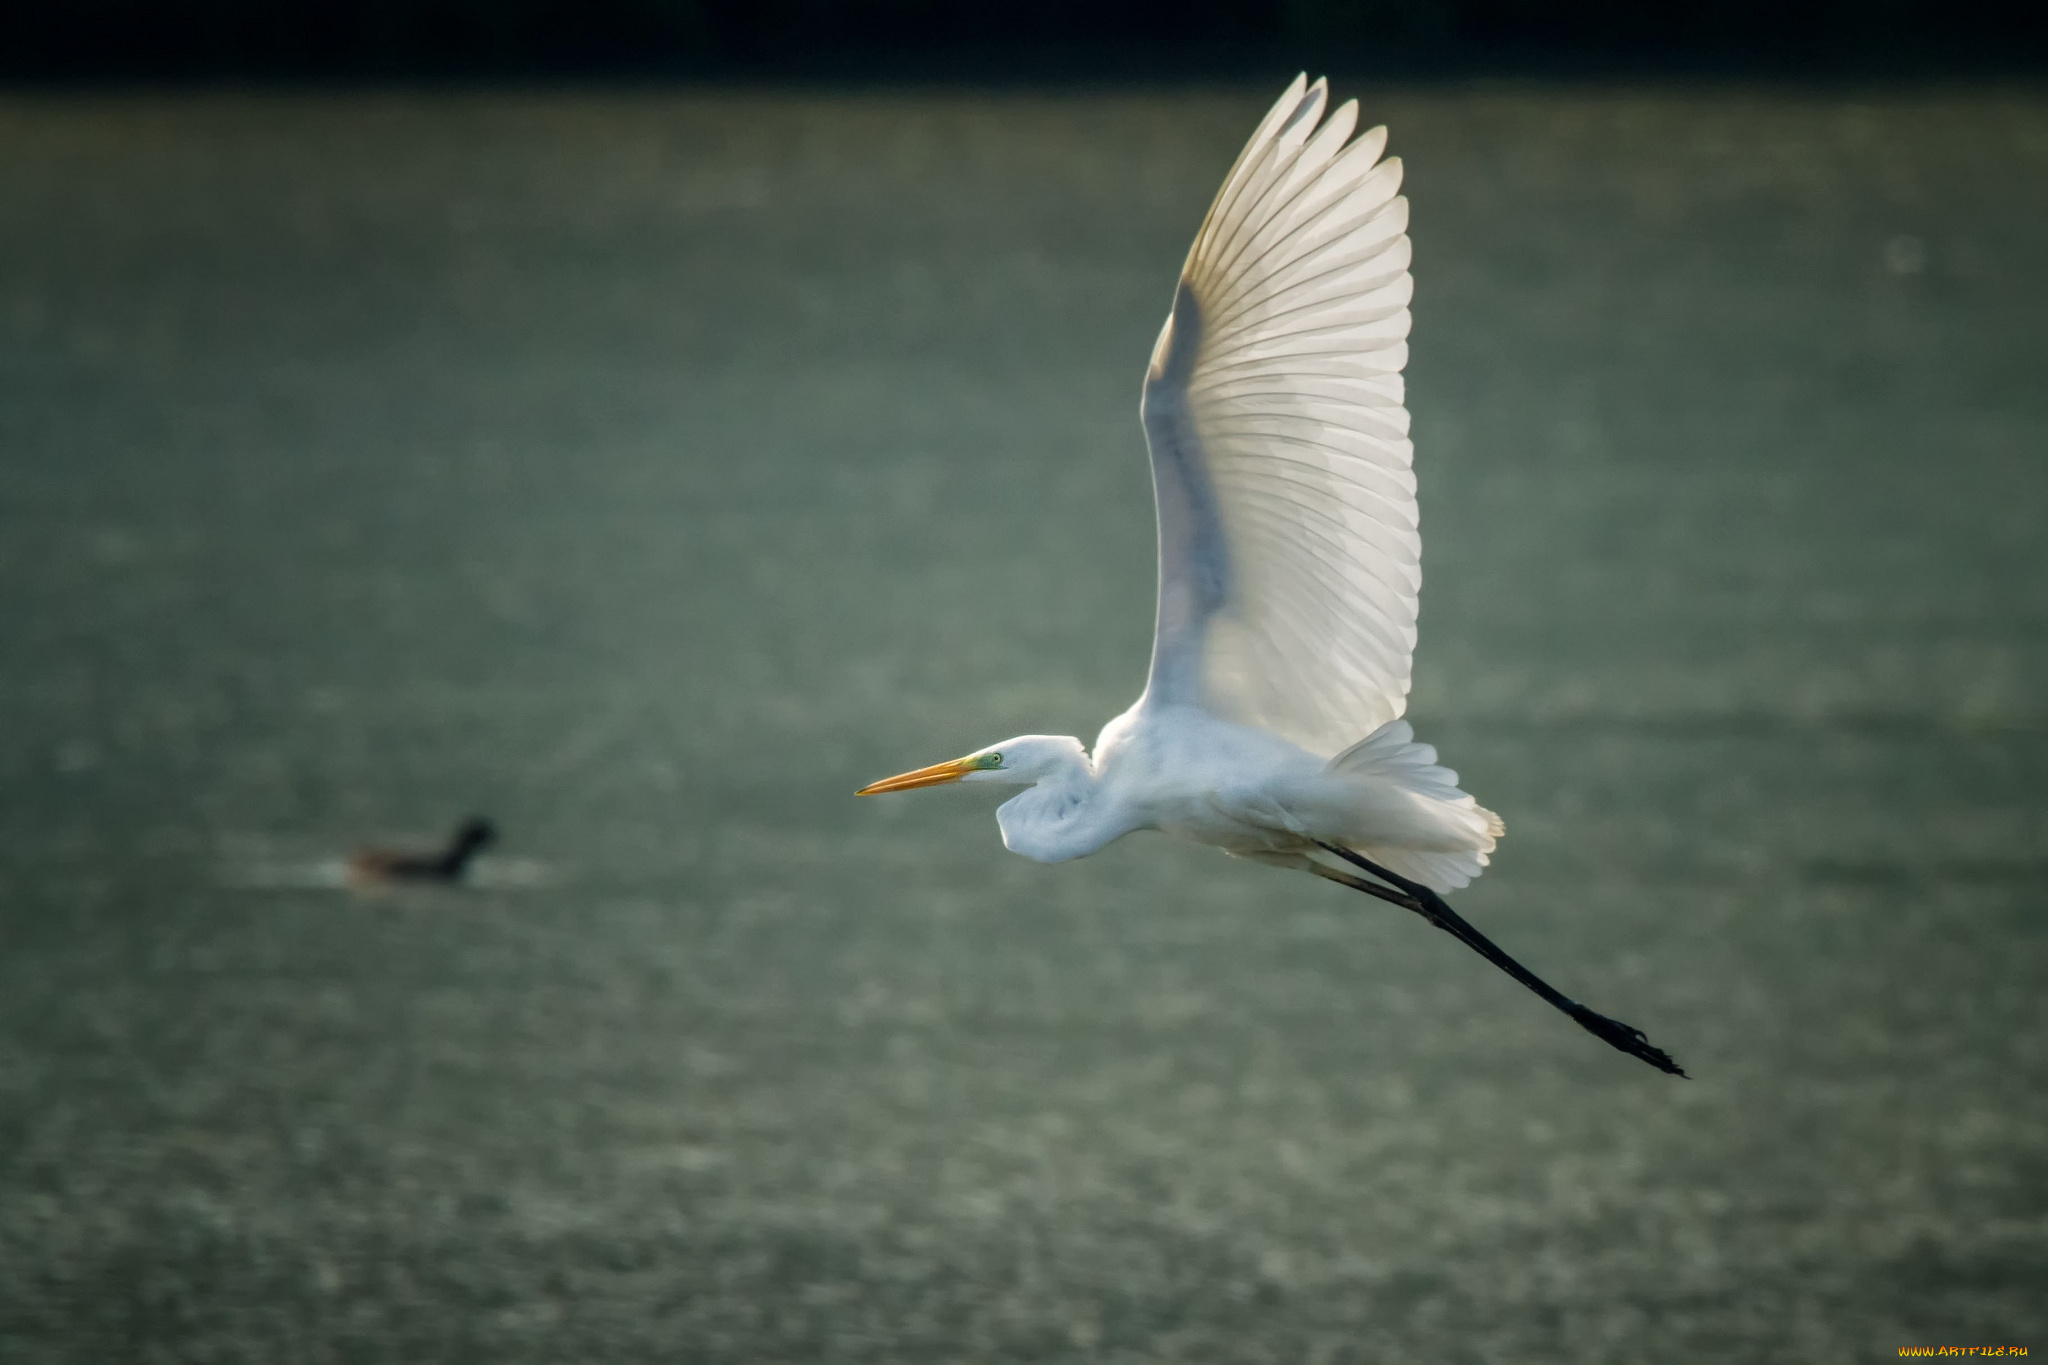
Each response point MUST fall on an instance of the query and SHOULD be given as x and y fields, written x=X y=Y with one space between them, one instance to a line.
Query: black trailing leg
x=1426 y=903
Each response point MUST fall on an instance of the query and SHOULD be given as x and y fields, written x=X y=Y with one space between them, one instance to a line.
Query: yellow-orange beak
x=933 y=776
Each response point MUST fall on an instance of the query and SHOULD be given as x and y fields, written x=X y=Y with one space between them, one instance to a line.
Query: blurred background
x=642 y=423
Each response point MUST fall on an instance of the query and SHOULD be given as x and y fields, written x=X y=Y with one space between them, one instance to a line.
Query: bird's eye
x=994 y=760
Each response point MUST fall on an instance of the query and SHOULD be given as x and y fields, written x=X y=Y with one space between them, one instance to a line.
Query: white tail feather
x=1390 y=754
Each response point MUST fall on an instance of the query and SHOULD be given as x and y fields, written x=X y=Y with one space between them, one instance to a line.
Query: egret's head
x=1018 y=762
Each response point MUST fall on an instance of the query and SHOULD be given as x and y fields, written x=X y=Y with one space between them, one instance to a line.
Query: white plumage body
x=1182 y=771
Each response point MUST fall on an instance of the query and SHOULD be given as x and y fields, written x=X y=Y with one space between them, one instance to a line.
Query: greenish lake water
x=650 y=470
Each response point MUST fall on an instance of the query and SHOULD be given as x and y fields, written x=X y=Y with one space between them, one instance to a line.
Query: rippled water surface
x=647 y=471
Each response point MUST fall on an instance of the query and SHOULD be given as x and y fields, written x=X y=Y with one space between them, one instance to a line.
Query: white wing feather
x=1289 y=557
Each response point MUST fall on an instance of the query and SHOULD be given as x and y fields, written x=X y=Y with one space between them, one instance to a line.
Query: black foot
x=1627 y=1037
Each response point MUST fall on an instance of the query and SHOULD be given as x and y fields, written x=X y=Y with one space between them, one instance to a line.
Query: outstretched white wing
x=1289 y=559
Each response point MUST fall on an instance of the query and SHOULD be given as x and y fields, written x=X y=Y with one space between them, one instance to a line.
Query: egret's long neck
x=1067 y=814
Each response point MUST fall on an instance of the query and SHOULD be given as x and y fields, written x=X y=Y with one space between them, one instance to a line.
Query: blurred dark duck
x=385 y=866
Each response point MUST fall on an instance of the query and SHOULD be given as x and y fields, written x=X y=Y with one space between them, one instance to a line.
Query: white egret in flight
x=1289 y=563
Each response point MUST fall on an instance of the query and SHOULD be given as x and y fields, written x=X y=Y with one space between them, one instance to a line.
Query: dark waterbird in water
x=383 y=866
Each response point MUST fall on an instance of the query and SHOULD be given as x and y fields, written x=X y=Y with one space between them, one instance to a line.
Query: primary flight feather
x=1289 y=562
